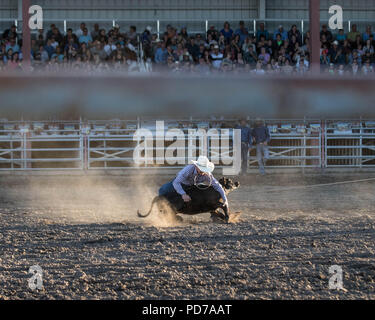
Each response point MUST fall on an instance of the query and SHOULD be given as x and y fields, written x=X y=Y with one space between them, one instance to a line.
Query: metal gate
x=294 y=144
x=350 y=143
x=41 y=146
x=106 y=145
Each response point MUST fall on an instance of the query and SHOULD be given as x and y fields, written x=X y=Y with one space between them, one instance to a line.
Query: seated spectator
x=331 y=69
x=221 y=43
x=12 y=45
x=102 y=37
x=95 y=32
x=341 y=36
x=341 y=70
x=34 y=47
x=250 y=56
x=258 y=69
x=281 y=32
x=369 y=57
x=262 y=32
x=85 y=37
x=355 y=67
x=193 y=48
x=39 y=36
x=50 y=31
x=70 y=47
x=346 y=49
x=235 y=46
x=293 y=42
x=335 y=54
x=161 y=53
x=264 y=57
x=8 y=55
x=248 y=43
x=98 y=50
x=70 y=35
x=54 y=43
x=359 y=50
x=302 y=65
x=367 y=34
x=56 y=35
x=287 y=69
x=58 y=54
x=216 y=57
x=186 y=61
x=171 y=53
x=353 y=34
x=14 y=63
x=49 y=48
x=227 y=32
x=228 y=59
x=325 y=58
x=294 y=34
x=325 y=32
x=240 y=62
x=79 y=32
x=367 y=68
x=43 y=54
x=10 y=33
x=368 y=47
x=184 y=34
x=355 y=57
x=171 y=63
x=203 y=67
x=169 y=34
x=109 y=47
x=357 y=43
x=212 y=33
x=242 y=32
x=199 y=40
x=132 y=35
x=278 y=42
x=324 y=42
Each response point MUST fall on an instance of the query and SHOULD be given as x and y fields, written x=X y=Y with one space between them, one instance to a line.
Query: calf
x=202 y=200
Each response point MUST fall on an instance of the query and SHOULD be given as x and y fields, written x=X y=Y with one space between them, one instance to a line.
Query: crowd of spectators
x=227 y=50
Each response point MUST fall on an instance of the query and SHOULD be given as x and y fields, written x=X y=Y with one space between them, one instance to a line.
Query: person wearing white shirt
x=109 y=47
x=79 y=32
x=217 y=57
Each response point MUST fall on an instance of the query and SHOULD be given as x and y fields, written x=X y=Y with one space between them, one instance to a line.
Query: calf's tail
x=148 y=213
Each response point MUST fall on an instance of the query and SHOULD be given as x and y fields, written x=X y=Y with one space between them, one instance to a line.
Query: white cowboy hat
x=204 y=164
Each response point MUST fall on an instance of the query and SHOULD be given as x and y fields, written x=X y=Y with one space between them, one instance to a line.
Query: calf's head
x=228 y=184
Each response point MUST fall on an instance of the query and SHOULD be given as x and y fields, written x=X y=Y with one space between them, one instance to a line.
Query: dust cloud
x=82 y=199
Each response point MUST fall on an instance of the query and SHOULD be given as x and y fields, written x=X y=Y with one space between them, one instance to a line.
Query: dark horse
x=203 y=200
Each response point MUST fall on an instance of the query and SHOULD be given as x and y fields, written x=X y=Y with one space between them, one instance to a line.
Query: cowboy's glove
x=186 y=198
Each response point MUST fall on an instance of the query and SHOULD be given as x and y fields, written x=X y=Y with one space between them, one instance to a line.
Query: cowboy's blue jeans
x=166 y=188
x=262 y=156
x=244 y=156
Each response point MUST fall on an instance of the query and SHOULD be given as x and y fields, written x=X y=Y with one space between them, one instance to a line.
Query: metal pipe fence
x=194 y=25
x=107 y=145
x=350 y=144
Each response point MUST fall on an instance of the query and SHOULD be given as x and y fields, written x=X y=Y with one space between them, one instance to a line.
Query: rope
x=202 y=186
x=319 y=185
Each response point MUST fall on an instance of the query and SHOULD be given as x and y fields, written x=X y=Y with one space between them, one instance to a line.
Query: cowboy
x=261 y=137
x=246 y=141
x=199 y=172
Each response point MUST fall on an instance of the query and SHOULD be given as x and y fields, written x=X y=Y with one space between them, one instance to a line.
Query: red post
x=26 y=37
x=315 y=36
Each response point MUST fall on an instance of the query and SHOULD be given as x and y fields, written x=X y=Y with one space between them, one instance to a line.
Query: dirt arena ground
x=85 y=235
